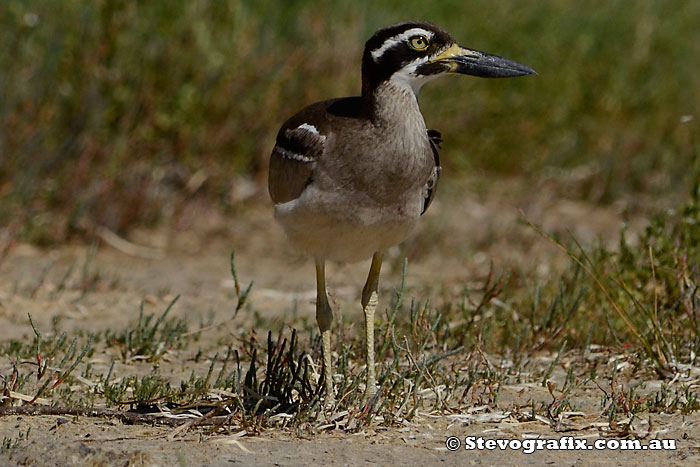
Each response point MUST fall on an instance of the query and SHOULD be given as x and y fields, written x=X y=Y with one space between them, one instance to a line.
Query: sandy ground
x=106 y=443
x=466 y=229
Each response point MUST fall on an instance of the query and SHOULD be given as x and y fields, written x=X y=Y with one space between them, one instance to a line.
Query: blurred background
x=121 y=113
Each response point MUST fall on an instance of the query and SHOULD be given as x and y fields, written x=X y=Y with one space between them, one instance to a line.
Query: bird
x=350 y=177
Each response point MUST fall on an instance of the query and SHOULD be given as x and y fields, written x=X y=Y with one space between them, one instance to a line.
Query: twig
x=125 y=246
x=121 y=244
x=130 y=418
x=194 y=422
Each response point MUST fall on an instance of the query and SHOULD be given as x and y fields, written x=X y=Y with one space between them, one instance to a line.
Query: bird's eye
x=419 y=42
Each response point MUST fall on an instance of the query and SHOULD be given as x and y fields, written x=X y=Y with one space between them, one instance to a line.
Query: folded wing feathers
x=435 y=138
x=292 y=161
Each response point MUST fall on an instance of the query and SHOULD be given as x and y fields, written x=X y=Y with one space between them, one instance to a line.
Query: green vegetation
x=139 y=342
x=117 y=113
x=639 y=304
x=647 y=292
x=14 y=443
x=108 y=109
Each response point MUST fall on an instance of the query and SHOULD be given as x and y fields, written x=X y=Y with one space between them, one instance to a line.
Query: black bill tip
x=486 y=65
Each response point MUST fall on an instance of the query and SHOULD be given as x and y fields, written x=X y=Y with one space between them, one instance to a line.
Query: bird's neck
x=401 y=150
x=394 y=106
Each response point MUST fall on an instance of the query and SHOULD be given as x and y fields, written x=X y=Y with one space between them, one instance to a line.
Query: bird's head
x=407 y=55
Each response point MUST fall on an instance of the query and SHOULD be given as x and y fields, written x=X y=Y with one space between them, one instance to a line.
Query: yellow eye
x=419 y=42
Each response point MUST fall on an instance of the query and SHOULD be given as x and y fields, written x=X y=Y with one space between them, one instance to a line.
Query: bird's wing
x=301 y=142
x=431 y=185
x=293 y=160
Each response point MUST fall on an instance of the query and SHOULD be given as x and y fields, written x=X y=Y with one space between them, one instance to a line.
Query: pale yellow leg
x=324 y=318
x=369 y=305
x=369 y=335
x=326 y=341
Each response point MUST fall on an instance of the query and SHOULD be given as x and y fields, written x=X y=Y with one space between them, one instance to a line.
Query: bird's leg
x=324 y=318
x=369 y=305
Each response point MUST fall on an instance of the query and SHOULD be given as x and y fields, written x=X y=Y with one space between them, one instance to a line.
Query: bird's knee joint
x=369 y=305
x=324 y=322
x=324 y=317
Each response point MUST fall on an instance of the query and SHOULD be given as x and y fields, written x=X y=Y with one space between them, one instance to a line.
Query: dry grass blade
x=662 y=366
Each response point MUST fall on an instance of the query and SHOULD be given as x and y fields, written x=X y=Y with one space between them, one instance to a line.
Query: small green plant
x=151 y=337
x=619 y=400
x=14 y=443
x=668 y=400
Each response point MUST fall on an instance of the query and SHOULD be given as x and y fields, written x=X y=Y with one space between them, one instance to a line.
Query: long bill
x=466 y=61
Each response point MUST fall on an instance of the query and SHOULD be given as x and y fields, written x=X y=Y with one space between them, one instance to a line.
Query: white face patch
x=397 y=39
x=406 y=77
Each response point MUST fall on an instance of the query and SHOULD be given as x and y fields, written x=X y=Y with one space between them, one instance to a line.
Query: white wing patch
x=310 y=129
x=302 y=144
x=286 y=153
x=397 y=39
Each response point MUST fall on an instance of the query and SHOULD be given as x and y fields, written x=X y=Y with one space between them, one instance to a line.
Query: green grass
x=639 y=304
x=139 y=342
x=108 y=109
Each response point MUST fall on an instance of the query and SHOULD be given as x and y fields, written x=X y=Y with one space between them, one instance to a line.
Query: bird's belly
x=333 y=226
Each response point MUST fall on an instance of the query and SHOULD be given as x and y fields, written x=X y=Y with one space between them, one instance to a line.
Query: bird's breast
x=383 y=165
x=402 y=163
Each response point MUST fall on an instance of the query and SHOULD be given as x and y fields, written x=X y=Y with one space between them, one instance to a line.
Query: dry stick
x=194 y=422
x=602 y=287
x=124 y=417
x=124 y=245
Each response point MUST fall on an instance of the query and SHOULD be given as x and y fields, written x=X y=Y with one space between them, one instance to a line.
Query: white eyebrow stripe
x=392 y=41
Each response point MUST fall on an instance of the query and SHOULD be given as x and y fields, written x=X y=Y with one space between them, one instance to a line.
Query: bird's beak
x=459 y=59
